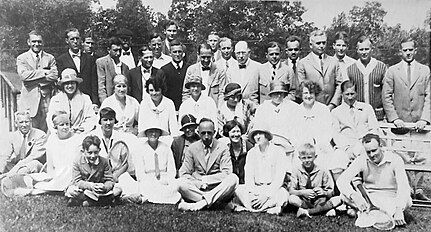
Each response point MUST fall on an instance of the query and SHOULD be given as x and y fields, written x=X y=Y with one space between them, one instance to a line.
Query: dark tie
x=156 y=166
x=294 y=66
x=274 y=67
x=409 y=73
x=352 y=113
x=321 y=62
x=75 y=55
x=146 y=71
x=23 y=148
x=308 y=185
x=205 y=68
x=242 y=66
x=207 y=153
x=178 y=66
x=126 y=53
x=37 y=60
x=227 y=64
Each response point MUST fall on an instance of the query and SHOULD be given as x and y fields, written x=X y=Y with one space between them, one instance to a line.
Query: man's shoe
x=73 y=202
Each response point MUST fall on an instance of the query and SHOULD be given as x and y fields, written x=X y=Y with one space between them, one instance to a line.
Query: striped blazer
x=375 y=85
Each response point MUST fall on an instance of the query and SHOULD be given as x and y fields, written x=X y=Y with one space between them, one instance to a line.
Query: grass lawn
x=50 y=213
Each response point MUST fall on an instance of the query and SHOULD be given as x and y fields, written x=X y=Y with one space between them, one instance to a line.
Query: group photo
x=190 y=115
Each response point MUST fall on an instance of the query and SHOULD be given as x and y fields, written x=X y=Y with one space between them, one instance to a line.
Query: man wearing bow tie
x=245 y=72
x=38 y=72
x=127 y=56
x=83 y=63
x=139 y=75
x=273 y=70
x=321 y=68
x=213 y=78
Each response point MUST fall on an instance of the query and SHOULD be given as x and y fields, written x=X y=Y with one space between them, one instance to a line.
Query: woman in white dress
x=126 y=107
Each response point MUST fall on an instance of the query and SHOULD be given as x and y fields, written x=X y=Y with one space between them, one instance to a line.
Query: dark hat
x=124 y=32
x=231 y=89
x=108 y=113
x=194 y=79
x=278 y=87
x=188 y=120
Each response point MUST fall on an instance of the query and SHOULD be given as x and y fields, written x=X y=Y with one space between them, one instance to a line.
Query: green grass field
x=50 y=213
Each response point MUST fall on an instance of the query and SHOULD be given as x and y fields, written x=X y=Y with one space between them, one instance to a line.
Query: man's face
x=206 y=56
x=273 y=55
x=212 y=41
x=307 y=160
x=125 y=42
x=242 y=53
x=206 y=131
x=226 y=49
x=408 y=51
x=73 y=41
x=318 y=44
x=88 y=45
x=107 y=125
x=349 y=96
x=156 y=46
x=115 y=51
x=195 y=90
x=91 y=154
x=147 y=59
x=177 y=53
x=35 y=42
x=292 y=50
x=340 y=48
x=23 y=123
x=171 y=32
x=364 y=51
x=374 y=151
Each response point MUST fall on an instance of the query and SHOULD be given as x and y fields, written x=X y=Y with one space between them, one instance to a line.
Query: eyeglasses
x=237 y=97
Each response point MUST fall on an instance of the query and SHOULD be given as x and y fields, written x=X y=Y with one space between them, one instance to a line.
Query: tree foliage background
x=257 y=22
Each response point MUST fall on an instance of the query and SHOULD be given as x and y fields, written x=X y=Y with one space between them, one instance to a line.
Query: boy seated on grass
x=311 y=187
x=92 y=181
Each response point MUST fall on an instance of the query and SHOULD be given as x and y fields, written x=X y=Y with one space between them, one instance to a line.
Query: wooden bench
x=419 y=149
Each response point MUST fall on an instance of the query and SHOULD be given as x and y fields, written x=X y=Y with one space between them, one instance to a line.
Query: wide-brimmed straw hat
x=194 y=80
x=278 y=87
x=162 y=131
x=259 y=127
x=187 y=120
x=69 y=75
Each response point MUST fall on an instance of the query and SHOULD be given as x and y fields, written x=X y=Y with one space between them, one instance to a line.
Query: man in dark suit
x=128 y=57
x=139 y=75
x=108 y=67
x=174 y=73
x=171 y=29
x=83 y=63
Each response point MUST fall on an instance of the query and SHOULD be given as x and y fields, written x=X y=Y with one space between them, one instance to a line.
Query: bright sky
x=409 y=13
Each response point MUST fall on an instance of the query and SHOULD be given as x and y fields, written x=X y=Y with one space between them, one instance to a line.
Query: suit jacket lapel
x=110 y=65
x=83 y=62
x=211 y=76
x=403 y=76
x=139 y=79
x=201 y=158
x=312 y=61
x=70 y=62
x=325 y=64
x=213 y=156
x=417 y=73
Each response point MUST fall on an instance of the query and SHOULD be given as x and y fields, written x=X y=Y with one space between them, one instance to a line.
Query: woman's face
x=190 y=131
x=70 y=87
x=308 y=97
x=120 y=89
x=232 y=101
x=235 y=134
x=156 y=95
x=63 y=130
x=260 y=138
x=153 y=135
x=277 y=98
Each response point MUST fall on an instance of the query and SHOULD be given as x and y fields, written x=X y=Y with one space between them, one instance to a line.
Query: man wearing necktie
x=140 y=75
x=274 y=70
x=226 y=61
x=83 y=63
x=213 y=78
x=127 y=56
x=171 y=32
x=206 y=174
x=245 y=72
x=341 y=45
x=25 y=148
x=322 y=69
x=293 y=48
x=38 y=71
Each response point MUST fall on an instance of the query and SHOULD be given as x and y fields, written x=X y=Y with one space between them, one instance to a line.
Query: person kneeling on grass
x=206 y=174
x=93 y=180
x=384 y=179
x=264 y=175
x=311 y=186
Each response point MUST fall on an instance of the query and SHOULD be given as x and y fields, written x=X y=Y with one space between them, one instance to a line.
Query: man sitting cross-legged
x=206 y=173
x=311 y=186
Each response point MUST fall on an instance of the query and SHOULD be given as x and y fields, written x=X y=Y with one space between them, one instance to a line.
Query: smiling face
x=277 y=98
x=147 y=59
x=120 y=89
x=235 y=134
x=73 y=40
x=273 y=55
x=35 y=43
x=195 y=90
x=364 y=51
x=408 y=51
x=308 y=97
x=70 y=87
x=177 y=53
x=63 y=130
x=153 y=135
x=190 y=131
x=155 y=94
x=349 y=96
x=91 y=154
x=307 y=160
x=232 y=101
x=23 y=123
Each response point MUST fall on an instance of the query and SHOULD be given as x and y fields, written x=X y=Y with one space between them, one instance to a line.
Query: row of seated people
x=208 y=169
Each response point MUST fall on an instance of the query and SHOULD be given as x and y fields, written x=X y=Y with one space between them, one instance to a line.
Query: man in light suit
x=171 y=30
x=245 y=72
x=83 y=63
x=226 y=51
x=213 y=78
x=38 y=72
x=213 y=40
x=406 y=89
x=108 y=67
x=323 y=69
x=272 y=70
x=206 y=174
x=139 y=75
x=25 y=149
x=340 y=45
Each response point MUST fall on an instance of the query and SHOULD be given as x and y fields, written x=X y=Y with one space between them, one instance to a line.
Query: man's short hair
x=272 y=44
x=169 y=23
x=155 y=35
x=144 y=48
x=369 y=137
x=206 y=120
x=306 y=148
x=341 y=35
x=90 y=140
x=408 y=39
x=176 y=42
x=225 y=39
x=347 y=85
x=89 y=34
x=293 y=38
x=316 y=33
x=213 y=33
x=72 y=29
x=364 y=38
x=34 y=32
x=114 y=41
x=25 y=113
x=203 y=46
